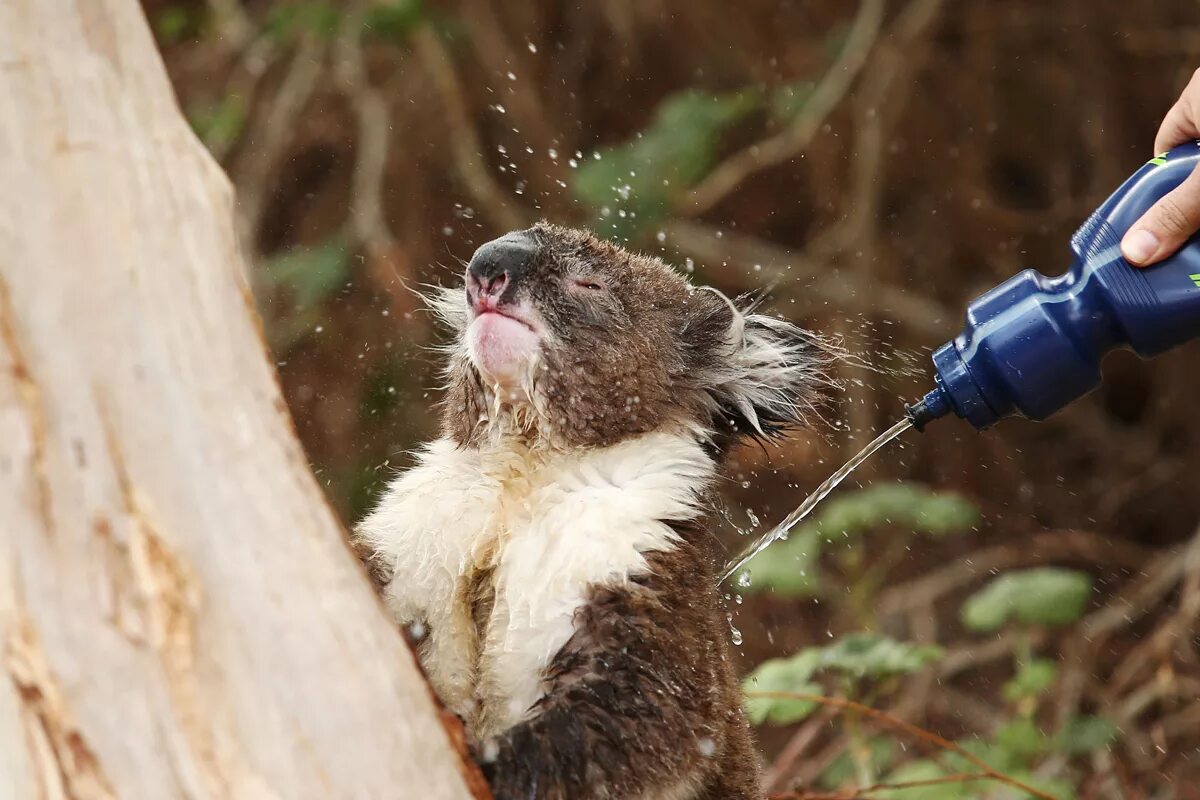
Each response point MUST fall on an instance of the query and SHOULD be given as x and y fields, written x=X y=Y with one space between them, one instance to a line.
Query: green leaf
x=395 y=20
x=174 y=23
x=1033 y=678
x=924 y=770
x=1060 y=788
x=870 y=655
x=843 y=771
x=995 y=756
x=219 y=124
x=288 y=20
x=310 y=274
x=859 y=656
x=782 y=675
x=1022 y=738
x=789 y=567
x=633 y=185
x=902 y=505
x=1039 y=596
x=1085 y=734
x=1011 y=754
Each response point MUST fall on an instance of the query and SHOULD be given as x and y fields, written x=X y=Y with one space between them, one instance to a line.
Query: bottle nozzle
x=930 y=407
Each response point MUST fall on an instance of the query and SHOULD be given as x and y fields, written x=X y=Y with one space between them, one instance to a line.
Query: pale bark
x=179 y=614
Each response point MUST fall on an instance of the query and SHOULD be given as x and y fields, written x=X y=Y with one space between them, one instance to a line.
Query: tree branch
x=180 y=615
x=464 y=140
x=758 y=262
x=791 y=141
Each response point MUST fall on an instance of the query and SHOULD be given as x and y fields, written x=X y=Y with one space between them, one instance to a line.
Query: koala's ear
x=761 y=374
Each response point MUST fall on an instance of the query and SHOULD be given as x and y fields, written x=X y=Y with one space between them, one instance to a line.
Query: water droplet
x=735 y=635
x=706 y=746
x=743 y=580
x=532 y=47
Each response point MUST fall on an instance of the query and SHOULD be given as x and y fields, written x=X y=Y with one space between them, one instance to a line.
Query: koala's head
x=567 y=338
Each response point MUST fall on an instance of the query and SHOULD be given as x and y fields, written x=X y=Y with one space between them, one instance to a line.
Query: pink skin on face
x=502 y=348
x=503 y=338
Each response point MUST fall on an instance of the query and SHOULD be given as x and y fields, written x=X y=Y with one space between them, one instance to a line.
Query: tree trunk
x=179 y=613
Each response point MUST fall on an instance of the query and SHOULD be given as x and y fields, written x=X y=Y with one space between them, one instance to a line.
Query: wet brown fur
x=632 y=359
x=642 y=701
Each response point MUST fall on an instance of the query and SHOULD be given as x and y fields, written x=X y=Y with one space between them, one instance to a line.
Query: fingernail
x=1139 y=246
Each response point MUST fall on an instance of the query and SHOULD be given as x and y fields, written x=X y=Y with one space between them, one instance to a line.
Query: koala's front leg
x=632 y=707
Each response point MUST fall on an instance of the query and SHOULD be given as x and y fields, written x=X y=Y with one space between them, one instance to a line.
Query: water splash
x=810 y=502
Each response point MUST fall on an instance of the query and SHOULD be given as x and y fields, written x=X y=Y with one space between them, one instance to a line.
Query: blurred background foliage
x=1030 y=595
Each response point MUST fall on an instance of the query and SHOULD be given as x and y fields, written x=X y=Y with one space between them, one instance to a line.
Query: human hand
x=1167 y=225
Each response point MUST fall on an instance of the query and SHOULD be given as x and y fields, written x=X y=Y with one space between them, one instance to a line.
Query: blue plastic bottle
x=1033 y=344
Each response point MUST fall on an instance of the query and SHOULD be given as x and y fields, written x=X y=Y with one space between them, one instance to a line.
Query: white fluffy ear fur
x=770 y=375
x=448 y=305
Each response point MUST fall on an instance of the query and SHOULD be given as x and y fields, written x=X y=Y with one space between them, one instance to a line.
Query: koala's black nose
x=502 y=263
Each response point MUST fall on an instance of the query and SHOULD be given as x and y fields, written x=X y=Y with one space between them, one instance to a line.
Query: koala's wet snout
x=498 y=267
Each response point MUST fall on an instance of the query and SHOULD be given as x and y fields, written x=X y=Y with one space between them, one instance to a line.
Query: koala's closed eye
x=590 y=284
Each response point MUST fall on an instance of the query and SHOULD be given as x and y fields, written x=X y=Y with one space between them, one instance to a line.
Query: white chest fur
x=548 y=525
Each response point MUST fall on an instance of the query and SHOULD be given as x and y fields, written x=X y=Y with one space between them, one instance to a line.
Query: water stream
x=810 y=502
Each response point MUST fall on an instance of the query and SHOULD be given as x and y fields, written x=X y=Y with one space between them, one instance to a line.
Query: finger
x=1177 y=127
x=1166 y=226
x=1182 y=122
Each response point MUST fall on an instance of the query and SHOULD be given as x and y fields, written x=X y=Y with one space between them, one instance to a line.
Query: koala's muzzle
x=498 y=267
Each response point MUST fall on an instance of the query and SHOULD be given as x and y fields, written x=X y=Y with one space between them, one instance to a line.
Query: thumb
x=1166 y=226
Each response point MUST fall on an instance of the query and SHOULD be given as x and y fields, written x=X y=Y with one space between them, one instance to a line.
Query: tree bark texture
x=179 y=613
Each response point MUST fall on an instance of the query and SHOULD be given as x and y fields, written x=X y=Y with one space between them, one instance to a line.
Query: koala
x=550 y=552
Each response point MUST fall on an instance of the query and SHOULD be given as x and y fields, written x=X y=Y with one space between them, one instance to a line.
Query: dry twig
x=293 y=95
x=912 y=730
x=760 y=262
x=853 y=794
x=371 y=150
x=464 y=139
x=800 y=741
x=791 y=141
x=1044 y=547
